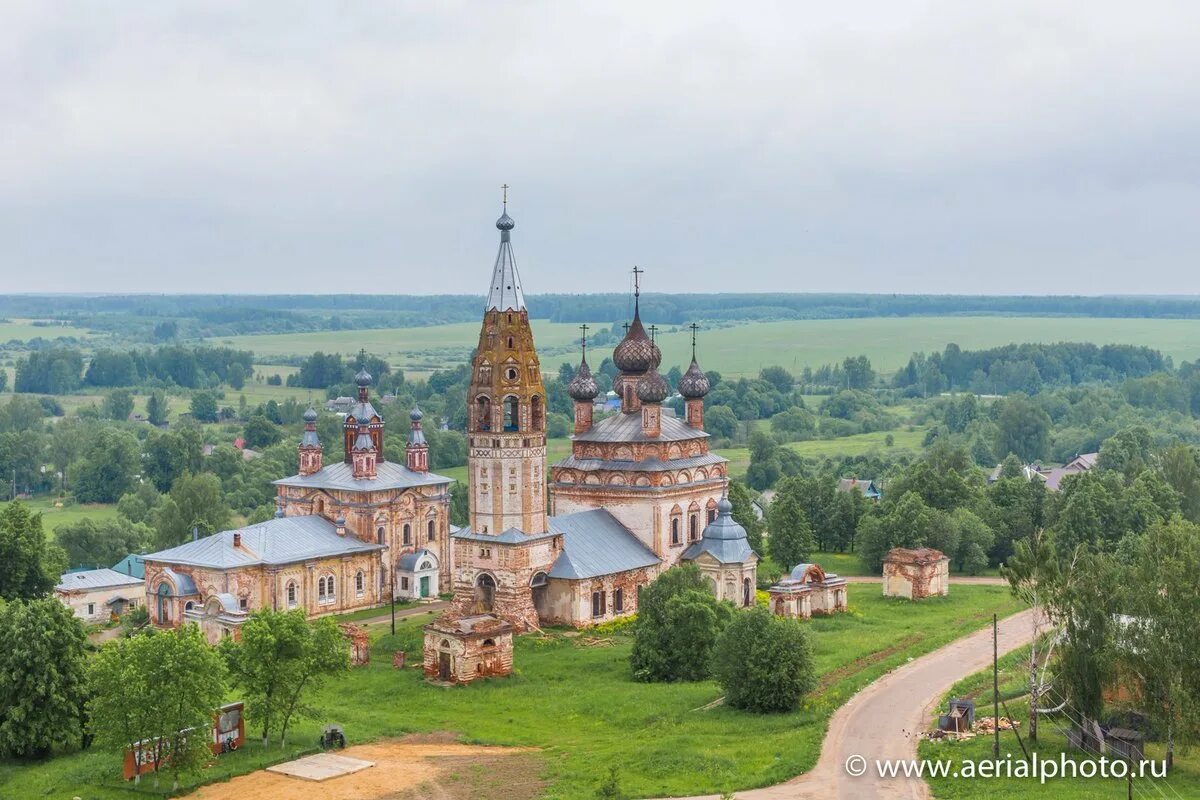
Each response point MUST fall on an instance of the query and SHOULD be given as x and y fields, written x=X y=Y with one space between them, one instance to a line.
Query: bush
x=678 y=622
x=763 y=662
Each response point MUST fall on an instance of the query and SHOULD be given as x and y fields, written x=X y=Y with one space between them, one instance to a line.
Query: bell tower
x=506 y=425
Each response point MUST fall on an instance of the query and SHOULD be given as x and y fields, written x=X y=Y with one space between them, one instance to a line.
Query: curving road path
x=884 y=721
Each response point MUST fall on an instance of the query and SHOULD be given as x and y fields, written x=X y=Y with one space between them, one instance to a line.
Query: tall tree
x=1164 y=603
x=43 y=690
x=118 y=405
x=178 y=681
x=88 y=542
x=744 y=514
x=1022 y=427
x=110 y=460
x=1032 y=574
x=195 y=501
x=789 y=532
x=30 y=566
x=157 y=408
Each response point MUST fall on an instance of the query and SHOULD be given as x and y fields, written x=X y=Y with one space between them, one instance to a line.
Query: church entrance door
x=425 y=586
x=443 y=666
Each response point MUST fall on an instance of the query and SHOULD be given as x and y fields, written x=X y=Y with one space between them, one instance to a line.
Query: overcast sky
x=1012 y=147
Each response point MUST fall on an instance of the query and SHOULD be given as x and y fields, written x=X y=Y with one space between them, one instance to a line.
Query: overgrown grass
x=1183 y=781
x=578 y=704
x=54 y=517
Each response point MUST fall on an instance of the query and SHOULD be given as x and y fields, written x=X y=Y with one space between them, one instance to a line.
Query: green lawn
x=23 y=330
x=1183 y=781
x=844 y=564
x=745 y=349
x=578 y=704
x=857 y=445
x=53 y=517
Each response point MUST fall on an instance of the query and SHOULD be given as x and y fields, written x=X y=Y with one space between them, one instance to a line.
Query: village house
x=97 y=595
x=863 y=485
x=915 y=574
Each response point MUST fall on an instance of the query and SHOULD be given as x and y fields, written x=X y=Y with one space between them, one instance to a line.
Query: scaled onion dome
x=310 y=415
x=694 y=383
x=583 y=386
x=416 y=414
x=652 y=387
x=505 y=223
x=636 y=353
x=363 y=378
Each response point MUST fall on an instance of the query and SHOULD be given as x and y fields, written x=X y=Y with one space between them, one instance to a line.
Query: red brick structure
x=808 y=591
x=916 y=574
x=360 y=645
x=460 y=649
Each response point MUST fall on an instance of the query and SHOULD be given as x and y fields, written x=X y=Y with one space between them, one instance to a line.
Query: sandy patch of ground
x=430 y=767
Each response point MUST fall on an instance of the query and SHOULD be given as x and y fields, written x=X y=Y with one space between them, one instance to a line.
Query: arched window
x=432 y=528
x=712 y=510
x=747 y=592
x=618 y=601
x=674 y=530
x=693 y=527
x=512 y=414
x=326 y=591
x=291 y=594
x=535 y=413
x=485 y=591
x=380 y=533
x=320 y=505
x=407 y=533
x=510 y=342
x=359 y=583
x=483 y=414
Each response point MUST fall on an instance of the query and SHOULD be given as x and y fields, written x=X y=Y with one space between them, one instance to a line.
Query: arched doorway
x=483 y=414
x=539 y=585
x=485 y=592
x=747 y=592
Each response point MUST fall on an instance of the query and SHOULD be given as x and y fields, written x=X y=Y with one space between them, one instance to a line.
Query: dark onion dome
x=416 y=415
x=694 y=383
x=310 y=415
x=505 y=223
x=363 y=378
x=636 y=353
x=652 y=387
x=583 y=386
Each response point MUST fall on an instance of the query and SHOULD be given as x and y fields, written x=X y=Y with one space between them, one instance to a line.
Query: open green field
x=1183 y=781
x=578 y=705
x=857 y=445
x=745 y=349
x=53 y=517
x=23 y=330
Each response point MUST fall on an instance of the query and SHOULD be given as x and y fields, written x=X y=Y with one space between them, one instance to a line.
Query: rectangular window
x=242 y=603
x=598 y=604
x=619 y=601
x=91 y=609
x=404 y=583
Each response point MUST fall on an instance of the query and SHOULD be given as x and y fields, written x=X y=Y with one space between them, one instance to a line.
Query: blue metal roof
x=723 y=538
x=340 y=475
x=132 y=565
x=408 y=562
x=283 y=540
x=88 y=579
x=595 y=543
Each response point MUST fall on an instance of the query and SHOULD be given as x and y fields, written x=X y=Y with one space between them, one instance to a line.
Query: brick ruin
x=808 y=591
x=916 y=574
x=463 y=649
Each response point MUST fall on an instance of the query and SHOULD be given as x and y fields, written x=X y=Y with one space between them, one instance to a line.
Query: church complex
x=572 y=544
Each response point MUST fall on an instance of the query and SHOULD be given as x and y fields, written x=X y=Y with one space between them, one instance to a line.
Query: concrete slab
x=321 y=767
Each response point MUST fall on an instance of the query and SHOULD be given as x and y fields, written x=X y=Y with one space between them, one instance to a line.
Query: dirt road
x=884 y=720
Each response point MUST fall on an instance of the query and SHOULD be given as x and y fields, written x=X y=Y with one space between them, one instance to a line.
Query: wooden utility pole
x=996 y=683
